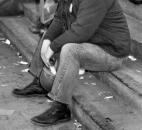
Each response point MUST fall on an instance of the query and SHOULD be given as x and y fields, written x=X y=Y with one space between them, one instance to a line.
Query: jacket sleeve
x=90 y=15
x=56 y=26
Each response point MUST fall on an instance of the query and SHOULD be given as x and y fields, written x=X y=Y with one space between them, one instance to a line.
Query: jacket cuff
x=48 y=36
x=54 y=47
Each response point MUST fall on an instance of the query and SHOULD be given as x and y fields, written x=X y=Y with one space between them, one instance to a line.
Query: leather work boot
x=58 y=113
x=33 y=89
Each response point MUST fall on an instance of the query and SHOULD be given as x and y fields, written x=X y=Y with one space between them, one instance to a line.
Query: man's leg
x=36 y=66
x=72 y=57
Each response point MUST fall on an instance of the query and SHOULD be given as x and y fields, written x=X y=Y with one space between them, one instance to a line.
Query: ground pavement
x=15 y=113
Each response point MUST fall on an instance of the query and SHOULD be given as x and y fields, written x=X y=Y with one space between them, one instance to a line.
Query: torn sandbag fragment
x=6 y=42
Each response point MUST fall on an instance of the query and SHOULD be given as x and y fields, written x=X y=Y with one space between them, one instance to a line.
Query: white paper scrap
x=49 y=101
x=78 y=125
x=132 y=58
x=138 y=71
x=81 y=77
x=81 y=71
x=5 y=112
x=6 y=42
x=108 y=97
x=3 y=85
x=93 y=83
x=23 y=62
x=25 y=70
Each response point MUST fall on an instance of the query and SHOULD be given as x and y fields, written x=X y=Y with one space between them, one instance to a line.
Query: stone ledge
x=126 y=82
x=17 y=31
x=31 y=12
x=98 y=113
x=131 y=9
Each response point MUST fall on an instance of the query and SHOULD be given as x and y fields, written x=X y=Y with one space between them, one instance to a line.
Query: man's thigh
x=93 y=57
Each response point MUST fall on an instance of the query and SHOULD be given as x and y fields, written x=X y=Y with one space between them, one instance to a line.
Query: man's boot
x=33 y=89
x=58 y=113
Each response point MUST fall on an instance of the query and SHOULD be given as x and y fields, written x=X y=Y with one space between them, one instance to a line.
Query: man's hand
x=46 y=43
x=46 y=52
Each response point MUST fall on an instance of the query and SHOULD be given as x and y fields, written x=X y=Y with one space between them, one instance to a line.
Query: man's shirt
x=100 y=22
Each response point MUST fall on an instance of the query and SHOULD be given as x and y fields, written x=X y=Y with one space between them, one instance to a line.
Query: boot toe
x=17 y=92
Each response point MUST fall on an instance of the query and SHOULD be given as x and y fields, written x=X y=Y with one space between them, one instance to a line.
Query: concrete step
x=17 y=31
x=135 y=27
x=31 y=11
x=98 y=107
x=127 y=82
x=131 y=9
x=133 y=15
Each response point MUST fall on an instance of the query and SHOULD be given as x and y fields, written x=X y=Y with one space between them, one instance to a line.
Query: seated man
x=46 y=13
x=91 y=34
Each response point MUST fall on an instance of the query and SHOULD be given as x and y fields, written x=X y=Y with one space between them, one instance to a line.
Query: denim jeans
x=72 y=57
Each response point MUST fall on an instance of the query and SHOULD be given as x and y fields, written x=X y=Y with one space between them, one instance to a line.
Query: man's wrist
x=46 y=41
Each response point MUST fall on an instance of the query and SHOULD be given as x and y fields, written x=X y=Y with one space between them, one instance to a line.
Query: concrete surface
x=15 y=113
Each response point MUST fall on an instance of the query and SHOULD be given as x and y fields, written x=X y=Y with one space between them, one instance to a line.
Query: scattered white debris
x=81 y=71
x=77 y=125
x=3 y=85
x=49 y=101
x=108 y=97
x=81 y=77
x=25 y=70
x=132 y=58
x=138 y=71
x=6 y=42
x=90 y=76
x=4 y=112
x=23 y=62
x=86 y=83
x=18 y=54
x=20 y=57
x=93 y=83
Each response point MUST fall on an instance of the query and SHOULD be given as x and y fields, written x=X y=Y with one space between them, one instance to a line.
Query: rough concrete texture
x=131 y=9
x=15 y=113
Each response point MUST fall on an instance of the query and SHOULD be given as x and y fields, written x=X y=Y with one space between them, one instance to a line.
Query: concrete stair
x=17 y=31
x=127 y=82
x=134 y=18
x=102 y=101
x=31 y=12
x=96 y=104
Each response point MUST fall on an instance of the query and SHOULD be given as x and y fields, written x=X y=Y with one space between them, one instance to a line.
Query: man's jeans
x=72 y=57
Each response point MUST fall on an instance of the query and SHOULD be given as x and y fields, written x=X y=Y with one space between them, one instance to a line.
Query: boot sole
x=33 y=96
x=47 y=125
x=29 y=96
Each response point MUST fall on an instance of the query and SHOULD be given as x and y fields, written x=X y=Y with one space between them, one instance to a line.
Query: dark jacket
x=99 y=22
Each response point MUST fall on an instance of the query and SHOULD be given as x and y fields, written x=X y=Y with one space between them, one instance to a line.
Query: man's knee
x=69 y=48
